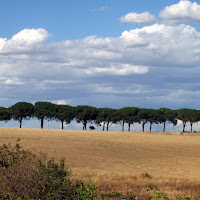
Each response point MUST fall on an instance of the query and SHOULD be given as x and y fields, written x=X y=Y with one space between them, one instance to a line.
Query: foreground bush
x=23 y=175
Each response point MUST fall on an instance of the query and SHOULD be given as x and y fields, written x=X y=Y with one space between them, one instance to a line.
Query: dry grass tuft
x=143 y=188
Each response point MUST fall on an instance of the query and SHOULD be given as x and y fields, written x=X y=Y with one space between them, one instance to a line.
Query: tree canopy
x=85 y=114
x=188 y=115
x=64 y=113
x=129 y=115
x=21 y=110
x=143 y=117
x=107 y=116
x=44 y=110
x=167 y=115
x=100 y=116
x=4 y=114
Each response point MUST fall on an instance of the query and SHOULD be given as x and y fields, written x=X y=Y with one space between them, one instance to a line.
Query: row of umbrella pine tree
x=99 y=116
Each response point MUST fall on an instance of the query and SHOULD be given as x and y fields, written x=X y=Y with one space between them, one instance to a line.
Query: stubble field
x=115 y=160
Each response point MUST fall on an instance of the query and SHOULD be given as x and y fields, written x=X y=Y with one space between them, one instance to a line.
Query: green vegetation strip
x=99 y=116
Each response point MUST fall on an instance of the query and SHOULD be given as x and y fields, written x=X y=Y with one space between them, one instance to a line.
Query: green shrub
x=87 y=192
x=159 y=195
x=23 y=175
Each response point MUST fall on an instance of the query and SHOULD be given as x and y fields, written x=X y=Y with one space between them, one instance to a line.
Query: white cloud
x=2 y=42
x=132 y=38
x=23 y=39
x=122 y=70
x=30 y=36
x=183 y=12
x=132 y=53
x=136 y=18
x=134 y=68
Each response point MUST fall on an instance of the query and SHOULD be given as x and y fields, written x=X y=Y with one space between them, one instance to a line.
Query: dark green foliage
x=194 y=116
x=188 y=115
x=21 y=110
x=182 y=114
x=107 y=116
x=44 y=110
x=64 y=113
x=143 y=117
x=155 y=116
x=129 y=116
x=85 y=114
x=4 y=114
x=167 y=115
x=102 y=116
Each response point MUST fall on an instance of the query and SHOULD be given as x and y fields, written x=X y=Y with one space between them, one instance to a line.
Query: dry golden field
x=115 y=160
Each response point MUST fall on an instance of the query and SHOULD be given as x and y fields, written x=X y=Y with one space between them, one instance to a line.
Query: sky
x=103 y=53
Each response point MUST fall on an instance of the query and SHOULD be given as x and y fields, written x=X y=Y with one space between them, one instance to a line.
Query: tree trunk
x=143 y=126
x=103 y=126
x=42 y=123
x=191 y=127
x=164 y=127
x=150 y=127
x=129 y=127
x=184 y=123
x=107 y=125
x=123 y=125
x=62 y=121
x=85 y=125
x=20 y=123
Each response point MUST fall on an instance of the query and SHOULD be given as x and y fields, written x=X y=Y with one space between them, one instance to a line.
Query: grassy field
x=115 y=160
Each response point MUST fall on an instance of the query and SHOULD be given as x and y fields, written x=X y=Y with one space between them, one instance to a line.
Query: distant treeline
x=99 y=116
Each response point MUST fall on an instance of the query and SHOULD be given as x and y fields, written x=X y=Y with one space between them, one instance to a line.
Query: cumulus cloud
x=30 y=36
x=25 y=38
x=2 y=42
x=143 y=67
x=136 y=18
x=183 y=12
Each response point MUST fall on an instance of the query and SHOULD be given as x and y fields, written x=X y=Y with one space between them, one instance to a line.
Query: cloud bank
x=152 y=66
